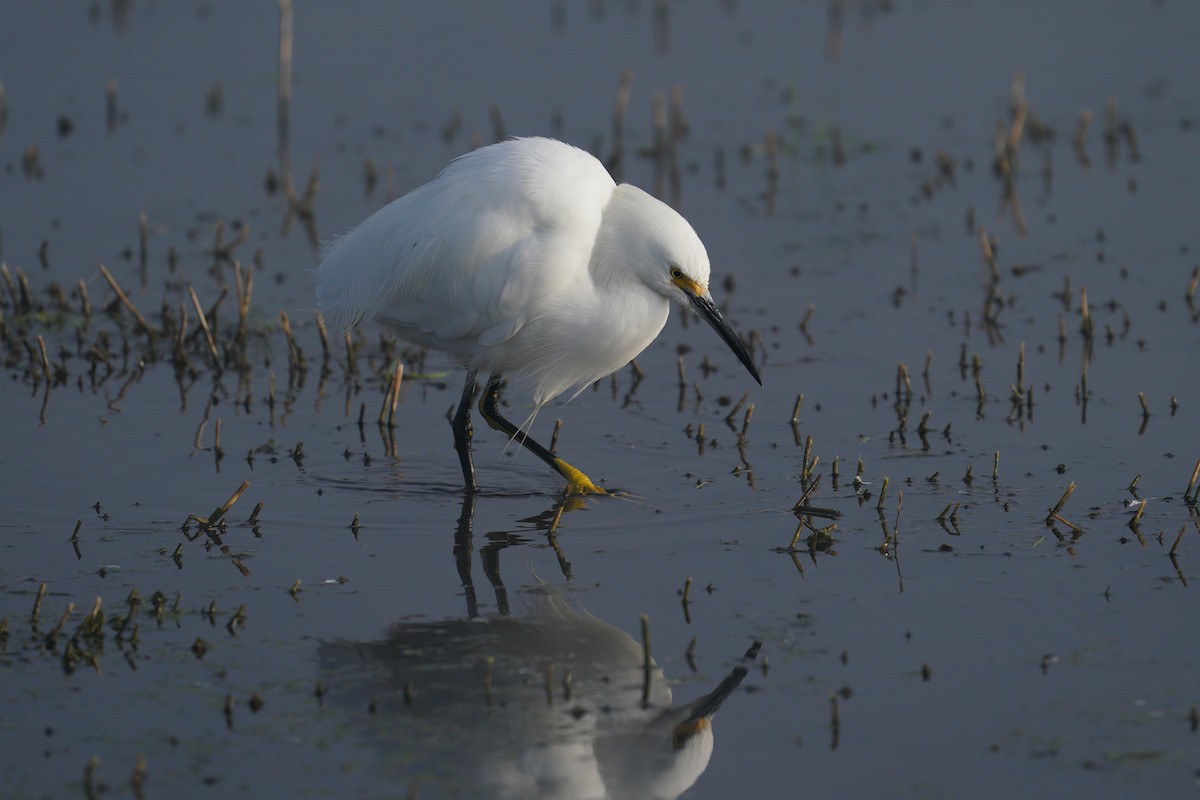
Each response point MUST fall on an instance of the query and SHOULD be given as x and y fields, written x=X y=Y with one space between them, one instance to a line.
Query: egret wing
x=465 y=260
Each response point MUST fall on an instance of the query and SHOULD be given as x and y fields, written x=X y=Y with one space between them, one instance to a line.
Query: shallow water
x=985 y=654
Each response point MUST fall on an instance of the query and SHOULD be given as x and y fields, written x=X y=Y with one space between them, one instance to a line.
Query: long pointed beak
x=708 y=310
x=701 y=711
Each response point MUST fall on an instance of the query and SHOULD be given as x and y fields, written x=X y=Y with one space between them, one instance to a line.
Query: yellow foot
x=577 y=482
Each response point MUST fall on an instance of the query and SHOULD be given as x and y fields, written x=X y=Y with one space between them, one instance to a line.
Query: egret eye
x=676 y=273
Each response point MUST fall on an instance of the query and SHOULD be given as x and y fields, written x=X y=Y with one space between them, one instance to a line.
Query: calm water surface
x=946 y=642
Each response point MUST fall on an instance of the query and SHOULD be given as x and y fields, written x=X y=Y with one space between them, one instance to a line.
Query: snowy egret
x=614 y=736
x=523 y=259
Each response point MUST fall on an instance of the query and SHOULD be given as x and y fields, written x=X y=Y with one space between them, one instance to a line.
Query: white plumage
x=522 y=259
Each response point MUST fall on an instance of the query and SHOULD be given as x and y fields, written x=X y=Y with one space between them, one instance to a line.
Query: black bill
x=706 y=706
x=707 y=309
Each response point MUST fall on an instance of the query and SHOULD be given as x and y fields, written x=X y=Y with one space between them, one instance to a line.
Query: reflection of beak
x=703 y=303
x=702 y=710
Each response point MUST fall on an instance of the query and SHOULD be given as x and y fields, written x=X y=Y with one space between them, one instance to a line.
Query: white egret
x=525 y=260
x=463 y=702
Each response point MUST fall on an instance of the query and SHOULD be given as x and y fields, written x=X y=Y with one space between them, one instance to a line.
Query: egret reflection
x=539 y=700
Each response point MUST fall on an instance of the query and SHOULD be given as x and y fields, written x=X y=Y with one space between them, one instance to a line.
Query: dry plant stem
x=324 y=333
x=85 y=302
x=1062 y=501
x=244 y=285
x=1060 y=518
x=295 y=354
x=1195 y=474
x=746 y=421
x=989 y=256
x=220 y=510
x=1178 y=539
x=736 y=408
x=37 y=603
x=45 y=360
x=208 y=337
x=351 y=362
x=126 y=302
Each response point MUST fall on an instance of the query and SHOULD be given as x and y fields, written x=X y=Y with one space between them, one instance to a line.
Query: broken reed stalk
x=558 y=423
x=951 y=509
x=295 y=354
x=903 y=383
x=1178 y=539
x=746 y=421
x=324 y=335
x=804 y=460
x=45 y=360
x=796 y=408
x=796 y=535
x=1137 y=517
x=351 y=363
x=37 y=604
x=126 y=302
x=221 y=510
x=243 y=281
x=394 y=398
x=989 y=255
x=882 y=494
x=1074 y=528
x=85 y=302
x=181 y=338
x=1187 y=494
x=803 y=501
x=736 y=408
x=1145 y=406
x=1021 y=370
x=208 y=336
x=1061 y=502
x=143 y=241
x=1086 y=325
x=1077 y=139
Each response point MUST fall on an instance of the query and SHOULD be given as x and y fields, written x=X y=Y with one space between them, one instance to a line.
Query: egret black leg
x=462 y=433
x=577 y=482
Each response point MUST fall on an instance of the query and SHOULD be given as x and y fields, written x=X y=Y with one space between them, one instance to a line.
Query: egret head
x=658 y=245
